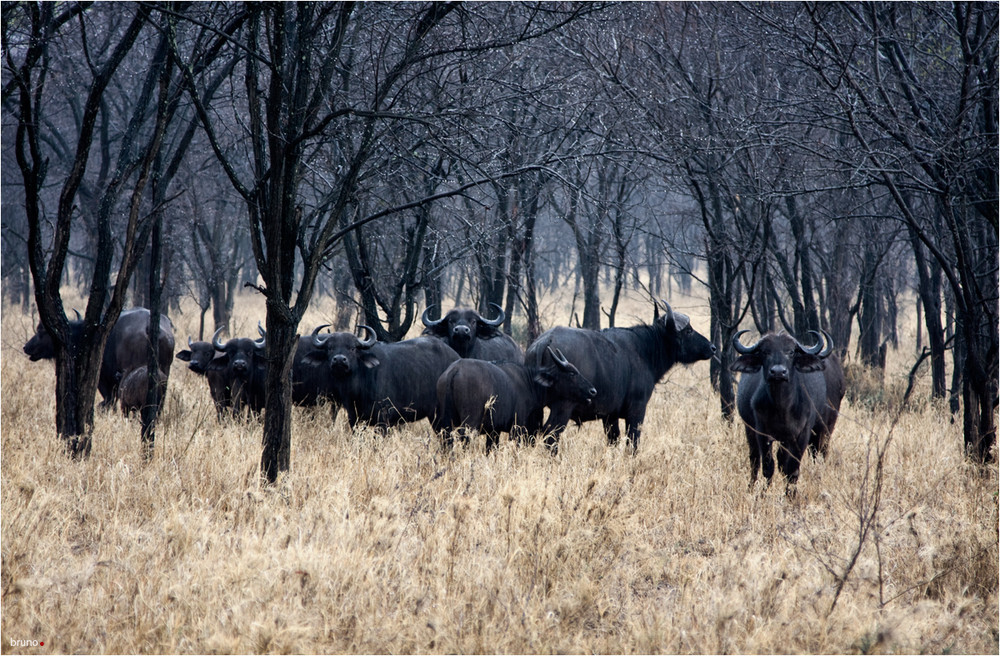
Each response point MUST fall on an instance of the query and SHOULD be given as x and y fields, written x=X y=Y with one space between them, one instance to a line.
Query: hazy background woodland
x=771 y=166
x=809 y=165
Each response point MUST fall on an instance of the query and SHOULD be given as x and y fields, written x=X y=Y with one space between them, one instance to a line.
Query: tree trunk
x=720 y=293
x=277 y=440
x=929 y=292
x=590 y=270
x=870 y=316
x=76 y=385
x=151 y=408
x=809 y=320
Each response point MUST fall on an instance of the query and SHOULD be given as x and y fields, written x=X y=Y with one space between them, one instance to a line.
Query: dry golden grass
x=390 y=545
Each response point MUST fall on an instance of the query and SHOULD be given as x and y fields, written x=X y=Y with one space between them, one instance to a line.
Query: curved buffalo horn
x=425 y=318
x=740 y=348
x=319 y=328
x=261 y=343
x=558 y=356
x=829 y=344
x=368 y=343
x=77 y=312
x=216 y=344
x=319 y=340
x=499 y=320
x=189 y=341
x=811 y=350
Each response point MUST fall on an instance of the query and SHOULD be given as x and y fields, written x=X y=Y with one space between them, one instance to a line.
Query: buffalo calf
x=199 y=356
x=504 y=397
x=134 y=386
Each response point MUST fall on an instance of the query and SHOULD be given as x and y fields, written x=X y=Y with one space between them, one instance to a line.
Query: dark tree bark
x=929 y=296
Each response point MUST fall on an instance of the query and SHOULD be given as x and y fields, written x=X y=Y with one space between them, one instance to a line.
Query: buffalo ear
x=747 y=364
x=218 y=364
x=441 y=330
x=315 y=356
x=184 y=356
x=809 y=363
x=369 y=359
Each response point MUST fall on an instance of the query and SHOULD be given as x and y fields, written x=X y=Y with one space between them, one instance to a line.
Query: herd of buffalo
x=464 y=374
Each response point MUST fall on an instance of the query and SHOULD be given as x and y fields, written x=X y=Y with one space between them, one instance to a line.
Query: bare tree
x=30 y=42
x=882 y=64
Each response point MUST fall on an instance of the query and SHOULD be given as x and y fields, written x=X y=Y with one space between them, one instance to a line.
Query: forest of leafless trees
x=812 y=165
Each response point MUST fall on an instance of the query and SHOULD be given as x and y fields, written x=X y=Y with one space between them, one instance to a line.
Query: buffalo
x=382 y=384
x=624 y=364
x=243 y=369
x=133 y=388
x=124 y=350
x=473 y=336
x=790 y=394
x=199 y=355
x=504 y=397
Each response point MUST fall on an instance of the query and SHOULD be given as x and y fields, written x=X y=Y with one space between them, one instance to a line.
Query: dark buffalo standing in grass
x=504 y=397
x=382 y=384
x=242 y=369
x=124 y=351
x=789 y=394
x=624 y=364
x=473 y=336
x=199 y=355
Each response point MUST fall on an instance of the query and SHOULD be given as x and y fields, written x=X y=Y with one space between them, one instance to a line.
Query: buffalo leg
x=526 y=434
x=753 y=443
x=819 y=440
x=447 y=439
x=789 y=461
x=633 y=424
x=611 y=429
x=558 y=418
x=767 y=458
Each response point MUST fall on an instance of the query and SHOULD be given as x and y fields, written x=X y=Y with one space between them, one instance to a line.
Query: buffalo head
x=460 y=327
x=776 y=356
x=198 y=355
x=238 y=355
x=688 y=346
x=563 y=380
x=41 y=346
x=345 y=353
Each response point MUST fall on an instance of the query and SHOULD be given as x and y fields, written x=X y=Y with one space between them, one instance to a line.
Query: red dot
x=41 y=643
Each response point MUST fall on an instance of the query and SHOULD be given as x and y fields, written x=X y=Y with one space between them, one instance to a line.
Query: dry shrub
x=866 y=387
x=380 y=545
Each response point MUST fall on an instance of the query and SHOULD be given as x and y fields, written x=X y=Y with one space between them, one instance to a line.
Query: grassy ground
x=391 y=545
